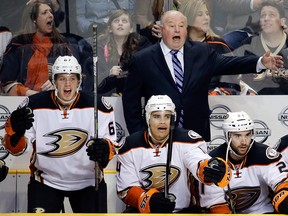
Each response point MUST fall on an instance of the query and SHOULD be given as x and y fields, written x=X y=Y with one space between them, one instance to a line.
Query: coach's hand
x=272 y=62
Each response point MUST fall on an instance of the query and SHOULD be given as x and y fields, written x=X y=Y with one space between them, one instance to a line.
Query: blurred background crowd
x=231 y=27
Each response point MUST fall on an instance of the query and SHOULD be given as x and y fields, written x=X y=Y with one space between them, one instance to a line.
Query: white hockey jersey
x=263 y=168
x=144 y=165
x=59 y=137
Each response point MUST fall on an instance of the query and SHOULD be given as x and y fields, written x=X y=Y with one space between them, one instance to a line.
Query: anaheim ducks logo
x=244 y=197
x=155 y=175
x=66 y=142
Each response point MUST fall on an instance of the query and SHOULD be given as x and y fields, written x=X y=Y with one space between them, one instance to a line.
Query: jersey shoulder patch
x=189 y=136
x=103 y=105
x=262 y=154
x=193 y=134
x=271 y=153
x=106 y=104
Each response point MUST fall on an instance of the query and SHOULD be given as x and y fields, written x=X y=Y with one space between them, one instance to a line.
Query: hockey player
x=142 y=162
x=58 y=124
x=3 y=170
x=255 y=168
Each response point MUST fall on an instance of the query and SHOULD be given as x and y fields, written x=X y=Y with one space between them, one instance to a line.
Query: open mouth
x=50 y=23
x=176 y=38
x=67 y=92
x=162 y=129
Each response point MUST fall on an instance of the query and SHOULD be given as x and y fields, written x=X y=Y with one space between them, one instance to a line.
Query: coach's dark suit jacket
x=149 y=75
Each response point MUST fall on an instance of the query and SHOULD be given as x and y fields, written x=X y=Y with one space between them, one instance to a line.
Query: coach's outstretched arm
x=19 y=121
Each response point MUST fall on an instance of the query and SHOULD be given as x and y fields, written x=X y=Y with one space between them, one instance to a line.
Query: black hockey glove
x=217 y=172
x=21 y=120
x=280 y=201
x=159 y=204
x=98 y=150
x=3 y=170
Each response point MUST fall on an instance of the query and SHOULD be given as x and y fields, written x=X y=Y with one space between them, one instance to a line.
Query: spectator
x=271 y=38
x=5 y=38
x=198 y=18
x=57 y=11
x=255 y=167
x=147 y=14
x=58 y=126
x=11 y=14
x=151 y=72
x=25 y=69
x=198 y=21
x=142 y=162
x=115 y=50
x=241 y=19
x=89 y=12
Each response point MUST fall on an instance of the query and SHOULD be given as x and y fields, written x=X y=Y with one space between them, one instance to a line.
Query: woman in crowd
x=116 y=47
x=25 y=69
x=58 y=13
x=198 y=18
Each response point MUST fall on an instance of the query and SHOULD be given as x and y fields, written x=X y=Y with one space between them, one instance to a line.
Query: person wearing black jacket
x=28 y=58
x=151 y=73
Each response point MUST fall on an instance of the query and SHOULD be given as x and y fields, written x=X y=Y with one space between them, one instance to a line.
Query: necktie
x=179 y=76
